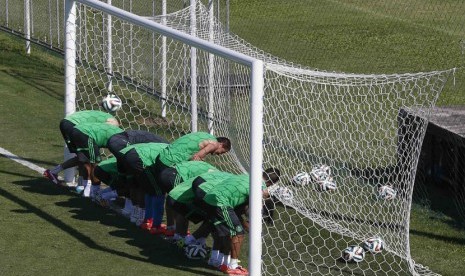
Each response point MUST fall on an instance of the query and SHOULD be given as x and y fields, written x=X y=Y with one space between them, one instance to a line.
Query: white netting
x=361 y=126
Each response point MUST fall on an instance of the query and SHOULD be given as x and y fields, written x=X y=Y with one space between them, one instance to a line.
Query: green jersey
x=231 y=192
x=88 y=116
x=183 y=192
x=109 y=166
x=184 y=148
x=100 y=132
x=188 y=169
x=147 y=152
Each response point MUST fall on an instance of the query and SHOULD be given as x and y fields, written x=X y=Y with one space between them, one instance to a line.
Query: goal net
x=367 y=129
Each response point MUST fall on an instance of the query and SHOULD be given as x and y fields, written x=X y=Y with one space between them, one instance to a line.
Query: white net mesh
x=361 y=126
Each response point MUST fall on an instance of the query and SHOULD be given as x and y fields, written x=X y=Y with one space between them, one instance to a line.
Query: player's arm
x=206 y=148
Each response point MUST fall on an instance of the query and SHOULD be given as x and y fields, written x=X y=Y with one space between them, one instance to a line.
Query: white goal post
x=256 y=100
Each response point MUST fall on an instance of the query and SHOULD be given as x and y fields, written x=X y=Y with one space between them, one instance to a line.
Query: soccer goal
x=346 y=144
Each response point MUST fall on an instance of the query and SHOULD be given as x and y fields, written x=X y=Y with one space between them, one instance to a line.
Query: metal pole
x=193 y=68
x=70 y=70
x=50 y=22
x=27 y=25
x=256 y=160
x=211 y=68
x=6 y=13
x=109 y=52
x=163 y=63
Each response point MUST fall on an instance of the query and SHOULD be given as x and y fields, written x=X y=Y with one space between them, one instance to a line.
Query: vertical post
x=153 y=51
x=256 y=160
x=131 y=47
x=58 y=24
x=211 y=68
x=6 y=13
x=27 y=25
x=163 y=63
x=70 y=70
x=193 y=68
x=50 y=23
x=109 y=52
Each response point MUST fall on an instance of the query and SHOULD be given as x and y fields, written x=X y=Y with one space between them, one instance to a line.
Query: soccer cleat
x=147 y=224
x=51 y=176
x=223 y=268
x=239 y=270
x=169 y=232
x=158 y=230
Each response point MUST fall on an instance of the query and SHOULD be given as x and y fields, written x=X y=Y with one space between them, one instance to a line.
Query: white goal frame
x=256 y=101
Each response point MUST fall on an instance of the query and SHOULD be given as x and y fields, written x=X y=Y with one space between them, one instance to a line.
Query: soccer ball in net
x=386 y=192
x=327 y=184
x=111 y=103
x=195 y=251
x=320 y=173
x=373 y=245
x=301 y=179
x=282 y=193
x=353 y=253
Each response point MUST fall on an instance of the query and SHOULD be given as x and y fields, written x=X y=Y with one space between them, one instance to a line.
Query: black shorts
x=87 y=150
x=103 y=176
x=130 y=163
x=121 y=140
x=199 y=194
x=225 y=221
x=141 y=136
x=66 y=128
x=165 y=176
x=187 y=211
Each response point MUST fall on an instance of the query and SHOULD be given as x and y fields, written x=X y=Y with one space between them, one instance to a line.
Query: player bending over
x=220 y=203
x=67 y=125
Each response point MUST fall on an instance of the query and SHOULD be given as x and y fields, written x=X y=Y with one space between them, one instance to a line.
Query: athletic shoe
x=79 y=189
x=157 y=230
x=147 y=224
x=51 y=176
x=239 y=270
x=170 y=232
x=223 y=268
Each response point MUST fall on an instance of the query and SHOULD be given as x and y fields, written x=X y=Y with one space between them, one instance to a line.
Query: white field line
x=21 y=161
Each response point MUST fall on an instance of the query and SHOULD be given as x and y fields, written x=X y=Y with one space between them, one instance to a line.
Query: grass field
x=48 y=230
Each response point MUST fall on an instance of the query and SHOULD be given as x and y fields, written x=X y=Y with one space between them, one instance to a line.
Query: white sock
x=57 y=169
x=189 y=239
x=226 y=259
x=87 y=188
x=127 y=204
x=220 y=257
x=233 y=263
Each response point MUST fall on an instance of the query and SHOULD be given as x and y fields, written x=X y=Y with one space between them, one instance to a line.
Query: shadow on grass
x=155 y=249
x=438 y=237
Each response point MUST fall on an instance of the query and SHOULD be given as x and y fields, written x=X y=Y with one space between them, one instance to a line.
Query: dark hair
x=225 y=142
x=271 y=175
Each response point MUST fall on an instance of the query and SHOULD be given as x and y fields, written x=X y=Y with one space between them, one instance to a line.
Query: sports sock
x=226 y=259
x=233 y=263
x=127 y=204
x=148 y=207
x=214 y=255
x=158 y=208
x=57 y=169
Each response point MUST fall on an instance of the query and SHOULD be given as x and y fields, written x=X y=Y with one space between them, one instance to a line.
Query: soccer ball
x=386 y=192
x=327 y=185
x=353 y=253
x=195 y=251
x=320 y=173
x=301 y=179
x=373 y=245
x=282 y=193
x=111 y=103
